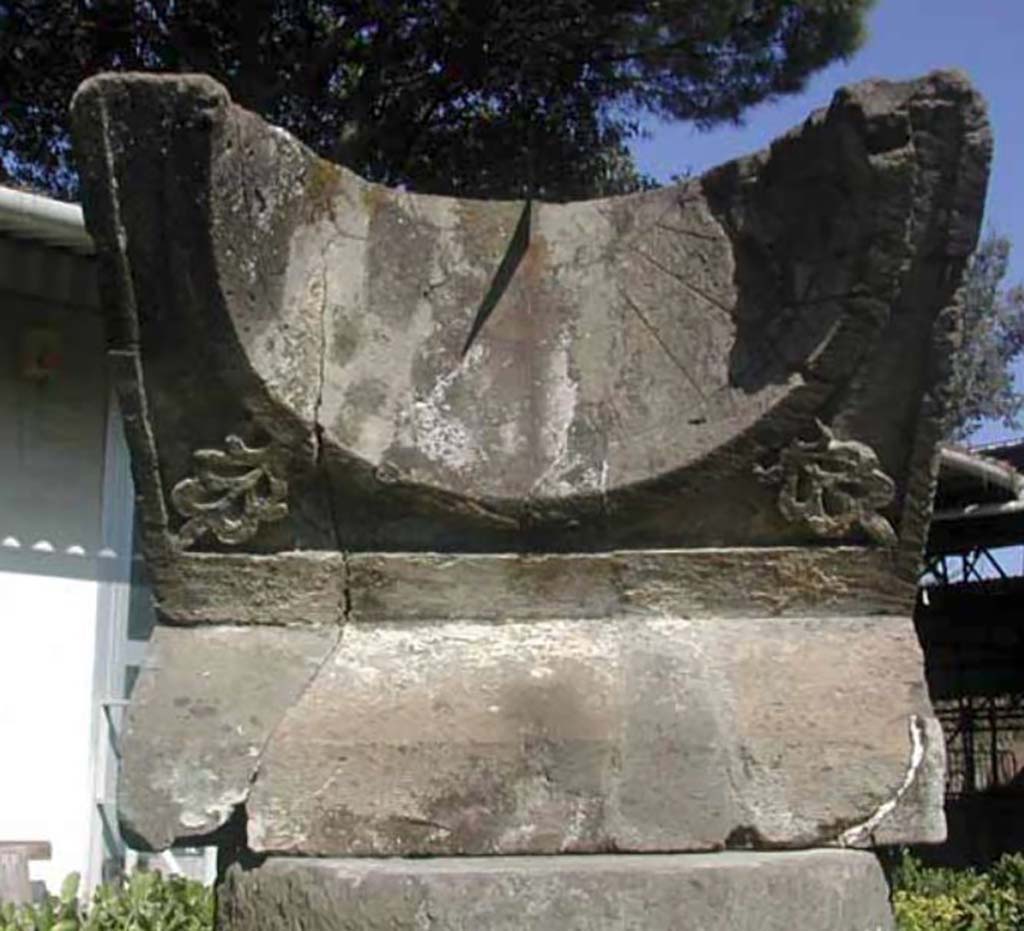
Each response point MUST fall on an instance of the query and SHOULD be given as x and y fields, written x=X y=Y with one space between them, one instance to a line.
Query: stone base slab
x=816 y=890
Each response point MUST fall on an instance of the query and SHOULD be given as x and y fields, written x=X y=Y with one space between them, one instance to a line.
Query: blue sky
x=906 y=38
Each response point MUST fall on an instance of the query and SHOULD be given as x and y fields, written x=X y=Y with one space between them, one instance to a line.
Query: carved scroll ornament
x=233 y=492
x=831 y=487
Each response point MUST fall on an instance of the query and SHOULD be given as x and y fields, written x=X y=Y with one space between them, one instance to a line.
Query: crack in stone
x=345 y=605
x=313 y=676
x=346 y=613
x=346 y=590
x=319 y=441
x=322 y=367
x=860 y=832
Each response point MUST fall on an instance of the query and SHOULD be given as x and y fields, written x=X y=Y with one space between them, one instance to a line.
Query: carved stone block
x=488 y=528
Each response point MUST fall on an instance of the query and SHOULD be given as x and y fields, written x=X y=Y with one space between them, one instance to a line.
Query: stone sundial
x=563 y=531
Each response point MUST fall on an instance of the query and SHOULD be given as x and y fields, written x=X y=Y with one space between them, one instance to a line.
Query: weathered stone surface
x=818 y=890
x=282 y=589
x=202 y=711
x=612 y=629
x=649 y=355
x=438 y=601
x=328 y=588
x=638 y=734
x=693 y=583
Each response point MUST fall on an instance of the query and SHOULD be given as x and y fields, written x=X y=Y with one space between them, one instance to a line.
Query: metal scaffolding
x=970 y=618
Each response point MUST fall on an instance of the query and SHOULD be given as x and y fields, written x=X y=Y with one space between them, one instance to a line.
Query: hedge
x=148 y=901
x=923 y=898
x=942 y=899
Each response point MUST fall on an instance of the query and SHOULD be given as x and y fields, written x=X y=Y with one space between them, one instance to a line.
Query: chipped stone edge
x=202 y=825
x=246 y=791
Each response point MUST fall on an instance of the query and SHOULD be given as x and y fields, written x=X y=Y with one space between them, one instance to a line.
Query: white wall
x=46 y=716
x=51 y=477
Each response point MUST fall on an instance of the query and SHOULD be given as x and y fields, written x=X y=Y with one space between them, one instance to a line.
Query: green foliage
x=482 y=97
x=937 y=899
x=148 y=901
x=993 y=337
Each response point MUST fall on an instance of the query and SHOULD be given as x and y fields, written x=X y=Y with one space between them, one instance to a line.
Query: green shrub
x=939 y=899
x=924 y=899
x=146 y=902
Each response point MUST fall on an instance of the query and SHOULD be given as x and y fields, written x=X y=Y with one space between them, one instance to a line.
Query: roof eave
x=52 y=222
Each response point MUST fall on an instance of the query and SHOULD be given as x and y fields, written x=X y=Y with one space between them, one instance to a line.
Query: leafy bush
x=924 y=899
x=939 y=899
x=146 y=902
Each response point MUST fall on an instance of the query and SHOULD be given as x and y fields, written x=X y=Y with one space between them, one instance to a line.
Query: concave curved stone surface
x=435 y=373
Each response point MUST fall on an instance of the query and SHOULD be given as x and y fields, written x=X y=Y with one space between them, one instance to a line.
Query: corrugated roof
x=45 y=252
x=979 y=501
x=47 y=273
x=1007 y=451
x=970 y=476
x=42 y=219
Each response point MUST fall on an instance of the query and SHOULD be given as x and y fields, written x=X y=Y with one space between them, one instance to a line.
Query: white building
x=72 y=625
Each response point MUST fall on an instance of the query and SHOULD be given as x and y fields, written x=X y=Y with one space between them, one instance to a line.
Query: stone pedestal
x=815 y=890
x=584 y=533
